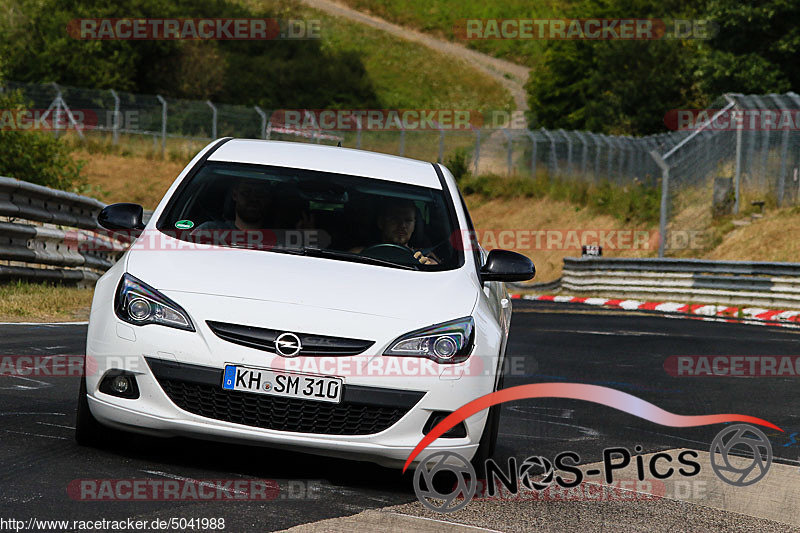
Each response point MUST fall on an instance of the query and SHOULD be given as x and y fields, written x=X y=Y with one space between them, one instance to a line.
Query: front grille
x=363 y=410
x=283 y=414
x=264 y=339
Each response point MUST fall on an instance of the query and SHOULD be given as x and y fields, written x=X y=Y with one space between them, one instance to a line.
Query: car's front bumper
x=156 y=412
x=115 y=345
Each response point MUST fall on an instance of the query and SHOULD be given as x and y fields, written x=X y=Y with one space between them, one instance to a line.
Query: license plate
x=285 y=384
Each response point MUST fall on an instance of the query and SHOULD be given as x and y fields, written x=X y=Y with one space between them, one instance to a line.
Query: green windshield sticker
x=184 y=224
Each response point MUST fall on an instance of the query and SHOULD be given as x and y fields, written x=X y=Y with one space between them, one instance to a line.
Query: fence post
x=402 y=141
x=794 y=97
x=317 y=131
x=610 y=153
x=441 y=144
x=57 y=103
x=532 y=137
x=622 y=152
x=662 y=219
x=764 y=142
x=737 y=175
x=509 y=153
x=263 y=121
x=569 y=151
x=784 y=152
x=596 y=141
x=553 y=160
x=163 y=124
x=213 y=119
x=70 y=116
x=358 y=132
x=584 y=152
x=632 y=159
x=477 y=149
x=115 y=135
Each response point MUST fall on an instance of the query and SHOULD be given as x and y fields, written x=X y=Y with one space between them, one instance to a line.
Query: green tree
x=756 y=48
x=34 y=38
x=628 y=86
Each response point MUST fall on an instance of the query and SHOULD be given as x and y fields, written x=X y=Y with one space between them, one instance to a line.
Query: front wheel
x=88 y=431
x=488 y=441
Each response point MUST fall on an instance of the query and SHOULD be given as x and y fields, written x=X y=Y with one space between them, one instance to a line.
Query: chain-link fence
x=494 y=150
x=742 y=153
x=743 y=156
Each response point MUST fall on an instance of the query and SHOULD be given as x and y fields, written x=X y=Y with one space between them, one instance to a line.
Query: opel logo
x=288 y=344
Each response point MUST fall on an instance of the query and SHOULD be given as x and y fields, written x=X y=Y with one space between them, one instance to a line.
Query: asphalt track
x=549 y=342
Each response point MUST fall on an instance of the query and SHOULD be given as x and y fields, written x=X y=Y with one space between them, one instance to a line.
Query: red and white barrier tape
x=748 y=315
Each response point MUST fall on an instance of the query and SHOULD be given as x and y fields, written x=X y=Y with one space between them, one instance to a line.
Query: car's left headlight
x=139 y=304
x=449 y=342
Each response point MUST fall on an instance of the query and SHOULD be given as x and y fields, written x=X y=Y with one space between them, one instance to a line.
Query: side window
x=477 y=251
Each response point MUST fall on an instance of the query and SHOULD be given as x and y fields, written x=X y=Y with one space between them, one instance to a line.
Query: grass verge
x=405 y=75
x=438 y=17
x=637 y=204
x=21 y=301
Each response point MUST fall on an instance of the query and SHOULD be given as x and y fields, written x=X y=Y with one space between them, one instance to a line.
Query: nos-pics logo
x=446 y=482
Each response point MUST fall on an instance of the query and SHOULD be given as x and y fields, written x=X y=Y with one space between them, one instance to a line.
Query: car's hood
x=307 y=281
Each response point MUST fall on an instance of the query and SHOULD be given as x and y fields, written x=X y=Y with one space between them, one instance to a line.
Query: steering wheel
x=390 y=252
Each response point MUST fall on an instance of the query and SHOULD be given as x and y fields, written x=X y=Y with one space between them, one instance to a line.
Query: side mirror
x=126 y=217
x=503 y=265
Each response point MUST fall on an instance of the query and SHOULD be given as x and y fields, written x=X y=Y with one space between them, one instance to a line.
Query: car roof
x=328 y=159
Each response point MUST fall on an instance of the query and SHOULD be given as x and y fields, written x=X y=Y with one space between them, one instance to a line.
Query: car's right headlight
x=138 y=303
x=449 y=342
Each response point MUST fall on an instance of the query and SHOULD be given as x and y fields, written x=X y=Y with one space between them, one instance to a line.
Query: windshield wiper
x=356 y=258
x=279 y=249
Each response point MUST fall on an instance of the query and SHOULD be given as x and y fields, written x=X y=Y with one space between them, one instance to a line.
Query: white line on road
x=34 y=434
x=55 y=425
x=459 y=524
x=198 y=482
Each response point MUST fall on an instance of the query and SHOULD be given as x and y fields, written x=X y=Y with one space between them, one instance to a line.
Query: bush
x=34 y=156
x=458 y=163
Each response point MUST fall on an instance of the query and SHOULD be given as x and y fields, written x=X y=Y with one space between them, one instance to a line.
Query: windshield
x=319 y=214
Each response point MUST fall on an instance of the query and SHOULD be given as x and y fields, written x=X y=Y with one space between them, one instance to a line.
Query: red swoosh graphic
x=578 y=391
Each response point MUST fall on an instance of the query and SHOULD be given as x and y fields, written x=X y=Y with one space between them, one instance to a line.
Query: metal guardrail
x=65 y=246
x=691 y=280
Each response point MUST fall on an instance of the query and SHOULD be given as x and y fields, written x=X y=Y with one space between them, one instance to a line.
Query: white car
x=308 y=297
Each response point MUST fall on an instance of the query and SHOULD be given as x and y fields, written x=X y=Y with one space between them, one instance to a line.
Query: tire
x=88 y=431
x=488 y=441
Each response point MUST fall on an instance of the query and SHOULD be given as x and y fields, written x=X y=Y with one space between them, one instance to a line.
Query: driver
x=396 y=223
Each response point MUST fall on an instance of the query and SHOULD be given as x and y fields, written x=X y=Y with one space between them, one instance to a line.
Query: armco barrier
x=688 y=280
x=65 y=246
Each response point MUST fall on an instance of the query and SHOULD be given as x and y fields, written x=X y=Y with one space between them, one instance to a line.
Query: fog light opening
x=120 y=384
x=456 y=432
